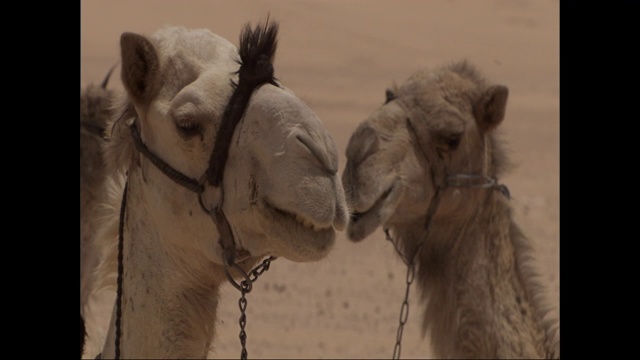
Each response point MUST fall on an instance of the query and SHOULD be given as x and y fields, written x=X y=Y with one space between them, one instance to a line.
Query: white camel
x=279 y=190
x=425 y=165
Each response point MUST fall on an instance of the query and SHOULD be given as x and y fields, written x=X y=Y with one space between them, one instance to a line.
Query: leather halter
x=256 y=69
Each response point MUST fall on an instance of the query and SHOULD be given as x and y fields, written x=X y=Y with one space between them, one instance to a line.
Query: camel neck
x=170 y=292
x=480 y=301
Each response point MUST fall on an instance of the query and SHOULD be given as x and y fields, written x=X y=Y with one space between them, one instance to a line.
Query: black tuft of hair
x=257 y=50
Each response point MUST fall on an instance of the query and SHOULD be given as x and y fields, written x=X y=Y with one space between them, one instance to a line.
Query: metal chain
x=404 y=309
x=404 y=313
x=242 y=303
x=245 y=288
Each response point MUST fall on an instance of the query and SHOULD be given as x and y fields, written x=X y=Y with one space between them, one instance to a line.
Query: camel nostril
x=369 y=143
x=319 y=153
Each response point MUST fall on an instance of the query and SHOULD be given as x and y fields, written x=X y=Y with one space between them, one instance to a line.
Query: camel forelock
x=257 y=51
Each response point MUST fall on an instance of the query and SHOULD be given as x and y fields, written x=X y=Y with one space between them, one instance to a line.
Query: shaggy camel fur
x=282 y=193
x=94 y=114
x=434 y=140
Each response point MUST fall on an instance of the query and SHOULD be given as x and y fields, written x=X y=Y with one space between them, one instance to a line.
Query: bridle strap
x=257 y=49
x=166 y=169
x=234 y=112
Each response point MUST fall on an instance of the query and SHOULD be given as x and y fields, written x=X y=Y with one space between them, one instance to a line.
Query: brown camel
x=425 y=166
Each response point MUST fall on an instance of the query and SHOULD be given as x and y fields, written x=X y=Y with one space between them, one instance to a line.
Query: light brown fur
x=475 y=271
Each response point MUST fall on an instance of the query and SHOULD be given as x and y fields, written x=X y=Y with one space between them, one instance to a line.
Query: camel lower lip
x=293 y=224
x=355 y=216
x=361 y=224
x=290 y=217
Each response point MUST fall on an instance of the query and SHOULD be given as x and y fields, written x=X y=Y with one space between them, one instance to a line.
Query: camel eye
x=450 y=141
x=188 y=128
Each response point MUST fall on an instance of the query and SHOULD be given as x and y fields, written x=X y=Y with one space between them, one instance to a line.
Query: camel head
x=437 y=124
x=282 y=195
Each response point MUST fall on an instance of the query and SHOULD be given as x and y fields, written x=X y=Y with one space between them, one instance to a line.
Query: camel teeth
x=309 y=224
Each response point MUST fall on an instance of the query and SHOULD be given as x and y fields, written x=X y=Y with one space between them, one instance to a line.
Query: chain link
x=411 y=272
x=404 y=309
x=242 y=303
x=245 y=288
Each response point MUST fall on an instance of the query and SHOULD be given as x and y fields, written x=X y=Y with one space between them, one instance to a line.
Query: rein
x=257 y=48
x=455 y=181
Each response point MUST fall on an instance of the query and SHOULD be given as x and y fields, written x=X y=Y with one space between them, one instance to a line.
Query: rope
x=120 y=271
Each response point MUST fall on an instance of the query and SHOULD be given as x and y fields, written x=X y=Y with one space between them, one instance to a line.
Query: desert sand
x=339 y=57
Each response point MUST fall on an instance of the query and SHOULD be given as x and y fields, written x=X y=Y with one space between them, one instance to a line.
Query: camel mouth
x=300 y=220
x=363 y=223
x=357 y=215
x=299 y=239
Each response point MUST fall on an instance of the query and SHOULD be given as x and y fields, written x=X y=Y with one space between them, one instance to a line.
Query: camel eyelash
x=188 y=128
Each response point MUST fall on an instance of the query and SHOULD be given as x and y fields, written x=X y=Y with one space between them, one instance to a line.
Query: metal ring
x=202 y=204
x=233 y=281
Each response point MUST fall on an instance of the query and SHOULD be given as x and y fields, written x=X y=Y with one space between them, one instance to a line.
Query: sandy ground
x=339 y=56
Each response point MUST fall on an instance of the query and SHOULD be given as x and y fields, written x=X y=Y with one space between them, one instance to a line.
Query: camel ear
x=139 y=66
x=389 y=95
x=490 y=109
